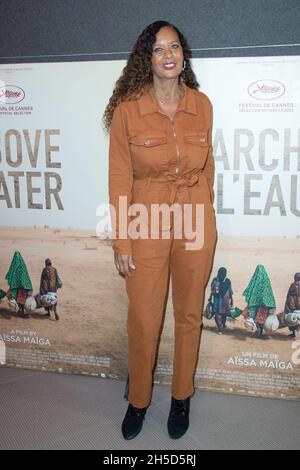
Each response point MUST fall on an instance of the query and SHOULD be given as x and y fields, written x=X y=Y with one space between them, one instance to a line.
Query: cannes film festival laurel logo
x=11 y=94
x=266 y=90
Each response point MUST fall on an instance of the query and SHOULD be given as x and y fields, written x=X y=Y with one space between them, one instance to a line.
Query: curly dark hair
x=137 y=74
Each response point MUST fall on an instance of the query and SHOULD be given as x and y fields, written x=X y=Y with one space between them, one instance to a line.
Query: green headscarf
x=17 y=275
x=259 y=291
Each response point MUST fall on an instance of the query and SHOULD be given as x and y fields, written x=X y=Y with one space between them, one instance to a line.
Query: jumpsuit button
x=147 y=142
x=202 y=139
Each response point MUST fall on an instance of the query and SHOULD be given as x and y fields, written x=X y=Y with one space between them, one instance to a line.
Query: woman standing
x=221 y=298
x=20 y=286
x=292 y=302
x=161 y=153
x=260 y=300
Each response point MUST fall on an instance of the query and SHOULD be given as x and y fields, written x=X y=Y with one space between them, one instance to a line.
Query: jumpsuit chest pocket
x=196 y=147
x=148 y=152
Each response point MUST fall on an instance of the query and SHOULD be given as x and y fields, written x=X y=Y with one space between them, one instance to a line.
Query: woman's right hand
x=124 y=263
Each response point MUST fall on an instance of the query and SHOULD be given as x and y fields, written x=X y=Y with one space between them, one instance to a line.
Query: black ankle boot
x=178 y=421
x=133 y=421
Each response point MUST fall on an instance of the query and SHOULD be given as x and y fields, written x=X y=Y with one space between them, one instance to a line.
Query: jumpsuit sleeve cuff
x=122 y=247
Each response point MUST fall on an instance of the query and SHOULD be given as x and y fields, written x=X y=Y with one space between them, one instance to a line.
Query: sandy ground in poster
x=93 y=305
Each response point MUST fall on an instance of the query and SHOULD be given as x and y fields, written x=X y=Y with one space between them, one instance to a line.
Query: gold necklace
x=162 y=101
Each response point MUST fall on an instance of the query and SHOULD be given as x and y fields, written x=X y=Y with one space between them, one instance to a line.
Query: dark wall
x=68 y=30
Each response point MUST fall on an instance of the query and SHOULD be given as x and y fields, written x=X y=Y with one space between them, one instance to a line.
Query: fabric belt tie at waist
x=178 y=184
x=181 y=184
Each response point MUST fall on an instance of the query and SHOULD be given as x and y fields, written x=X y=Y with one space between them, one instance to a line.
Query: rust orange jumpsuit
x=153 y=159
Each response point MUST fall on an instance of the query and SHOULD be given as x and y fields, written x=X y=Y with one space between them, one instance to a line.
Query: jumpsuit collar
x=148 y=104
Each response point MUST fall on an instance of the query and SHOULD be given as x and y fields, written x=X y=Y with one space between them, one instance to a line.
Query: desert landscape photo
x=90 y=336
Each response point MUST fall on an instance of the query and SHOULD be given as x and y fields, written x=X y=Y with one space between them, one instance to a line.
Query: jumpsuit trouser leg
x=147 y=288
x=189 y=274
